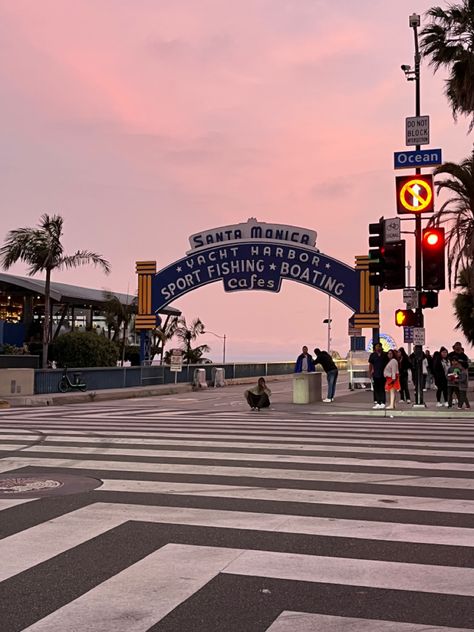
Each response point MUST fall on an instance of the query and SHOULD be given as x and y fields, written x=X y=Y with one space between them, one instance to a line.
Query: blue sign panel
x=256 y=265
x=408 y=334
x=420 y=158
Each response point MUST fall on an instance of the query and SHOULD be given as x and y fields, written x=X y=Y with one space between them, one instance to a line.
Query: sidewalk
x=351 y=403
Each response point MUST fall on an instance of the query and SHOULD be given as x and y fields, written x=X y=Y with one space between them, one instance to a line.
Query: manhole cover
x=38 y=485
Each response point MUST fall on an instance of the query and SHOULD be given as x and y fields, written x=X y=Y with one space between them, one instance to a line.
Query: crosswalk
x=234 y=521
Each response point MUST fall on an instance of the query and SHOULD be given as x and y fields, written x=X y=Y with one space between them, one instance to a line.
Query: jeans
x=257 y=401
x=332 y=379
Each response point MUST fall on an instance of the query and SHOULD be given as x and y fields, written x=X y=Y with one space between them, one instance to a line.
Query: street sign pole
x=418 y=235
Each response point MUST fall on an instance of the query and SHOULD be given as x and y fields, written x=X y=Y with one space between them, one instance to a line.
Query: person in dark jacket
x=405 y=366
x=377 y=362
x=440 y=370
x=324 y=359
x=304 y=362
x=458 y=354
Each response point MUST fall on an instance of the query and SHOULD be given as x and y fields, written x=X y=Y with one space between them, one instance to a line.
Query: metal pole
x=408 y=285
x=329 y=324
x=223 y=351
x=418 y=229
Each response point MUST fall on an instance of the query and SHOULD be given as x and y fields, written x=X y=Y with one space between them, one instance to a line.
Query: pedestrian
x=377 y=363
x=458 y=353
x=304 y=362
x=458 y=383
x=429 y=376
x=258 y=396
x=404 y=365
x=440 y=370
x=391 y=374
x=418 y=359
x=324 y=359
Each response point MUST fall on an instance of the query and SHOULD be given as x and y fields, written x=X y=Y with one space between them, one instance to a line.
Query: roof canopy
x=72 y=294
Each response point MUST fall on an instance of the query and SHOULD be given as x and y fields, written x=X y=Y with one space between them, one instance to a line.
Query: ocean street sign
x=419 y=158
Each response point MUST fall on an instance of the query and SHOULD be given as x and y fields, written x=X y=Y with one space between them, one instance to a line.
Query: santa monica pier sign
x=254 y=256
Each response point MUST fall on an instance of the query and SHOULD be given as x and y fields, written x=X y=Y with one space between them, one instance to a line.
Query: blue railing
x=47 y=380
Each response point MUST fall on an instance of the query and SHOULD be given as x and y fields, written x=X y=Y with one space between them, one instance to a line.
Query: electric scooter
x=65 y=384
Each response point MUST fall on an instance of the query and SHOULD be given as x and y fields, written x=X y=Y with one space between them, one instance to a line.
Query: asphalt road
x=192 y=513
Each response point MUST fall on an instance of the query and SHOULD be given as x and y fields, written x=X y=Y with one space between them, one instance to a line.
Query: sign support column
x=415 y=23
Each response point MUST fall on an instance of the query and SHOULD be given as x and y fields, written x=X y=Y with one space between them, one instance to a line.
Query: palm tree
x=162 y=334
x=118 y=317
x=464 y=306
x=41 y=249
x=457 y=212
x=449 y=42
x=187 y=334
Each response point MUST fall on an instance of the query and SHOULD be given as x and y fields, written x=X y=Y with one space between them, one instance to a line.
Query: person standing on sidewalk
x=324 y=359
x=391 y=373
x=404 y=368
x=304 y=362
x=377 y=363
x=440 y=370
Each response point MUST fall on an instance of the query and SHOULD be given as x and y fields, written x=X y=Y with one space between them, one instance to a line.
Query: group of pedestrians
x=448 y=371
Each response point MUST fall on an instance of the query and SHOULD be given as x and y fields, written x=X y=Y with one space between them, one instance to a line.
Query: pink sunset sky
x=142 y=122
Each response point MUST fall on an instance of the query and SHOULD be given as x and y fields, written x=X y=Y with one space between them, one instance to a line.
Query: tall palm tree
x=188 y=334
x=448 y=41
x=457 y=212
x=464 y=305
x=162 y=334
x=118 y=317
x=41 y=249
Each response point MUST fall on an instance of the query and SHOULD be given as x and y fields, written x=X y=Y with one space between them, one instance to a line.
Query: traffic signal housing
x=428 y=300
x=433 y=255
x=394 y=265
x=376 y=253
x=405 y=318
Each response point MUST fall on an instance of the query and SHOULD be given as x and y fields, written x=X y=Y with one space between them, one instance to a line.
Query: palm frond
x=84 y=257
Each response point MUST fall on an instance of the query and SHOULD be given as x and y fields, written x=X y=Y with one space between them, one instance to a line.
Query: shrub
x=81 y=349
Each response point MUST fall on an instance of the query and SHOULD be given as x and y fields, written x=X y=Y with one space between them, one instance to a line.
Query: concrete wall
x=17 y=382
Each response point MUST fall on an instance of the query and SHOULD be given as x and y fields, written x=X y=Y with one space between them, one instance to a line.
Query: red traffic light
x=428 y=299
x=433 y=238
x=405 y=318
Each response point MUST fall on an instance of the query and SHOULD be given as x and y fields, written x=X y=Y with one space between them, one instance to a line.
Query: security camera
x=414 y=20
x=405 y=68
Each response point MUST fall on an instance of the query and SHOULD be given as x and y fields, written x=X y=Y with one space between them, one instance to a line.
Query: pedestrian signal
x=405 y=318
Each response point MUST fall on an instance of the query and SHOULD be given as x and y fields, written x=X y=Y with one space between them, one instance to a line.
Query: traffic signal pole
x=415 y=23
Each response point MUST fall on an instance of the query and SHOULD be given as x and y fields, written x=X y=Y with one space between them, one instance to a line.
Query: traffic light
x=428 y=299
x=394 y=265
x=432 y=248
x=405 y=318
x=376 y=253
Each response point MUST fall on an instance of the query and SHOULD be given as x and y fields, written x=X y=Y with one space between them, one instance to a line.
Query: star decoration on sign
x=178 y=269
x=328 y=265
x=272 y=266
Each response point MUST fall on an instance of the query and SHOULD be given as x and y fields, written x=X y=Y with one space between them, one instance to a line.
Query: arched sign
x=254 y=256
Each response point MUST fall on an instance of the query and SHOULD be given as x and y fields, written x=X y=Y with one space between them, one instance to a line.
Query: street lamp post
x=327 y=321
x=414 y=75
x=223 y=338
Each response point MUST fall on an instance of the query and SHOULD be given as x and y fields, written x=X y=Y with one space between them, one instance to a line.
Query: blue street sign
x=420 y=158
x=408 y=334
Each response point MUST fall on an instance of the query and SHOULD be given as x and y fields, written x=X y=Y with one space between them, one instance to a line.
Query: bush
x=132 y=354
x=81 y=349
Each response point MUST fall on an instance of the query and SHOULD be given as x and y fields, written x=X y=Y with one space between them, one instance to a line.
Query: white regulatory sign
x=418 y=335
x=391 y=229
x=176 y=360
x=417 y=130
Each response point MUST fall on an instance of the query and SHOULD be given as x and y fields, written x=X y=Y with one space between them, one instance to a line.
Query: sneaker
x=408 y=401
x=381 y=405
x=376 y=406
x=446 y=404
x=438 y=404
x=327 y=400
